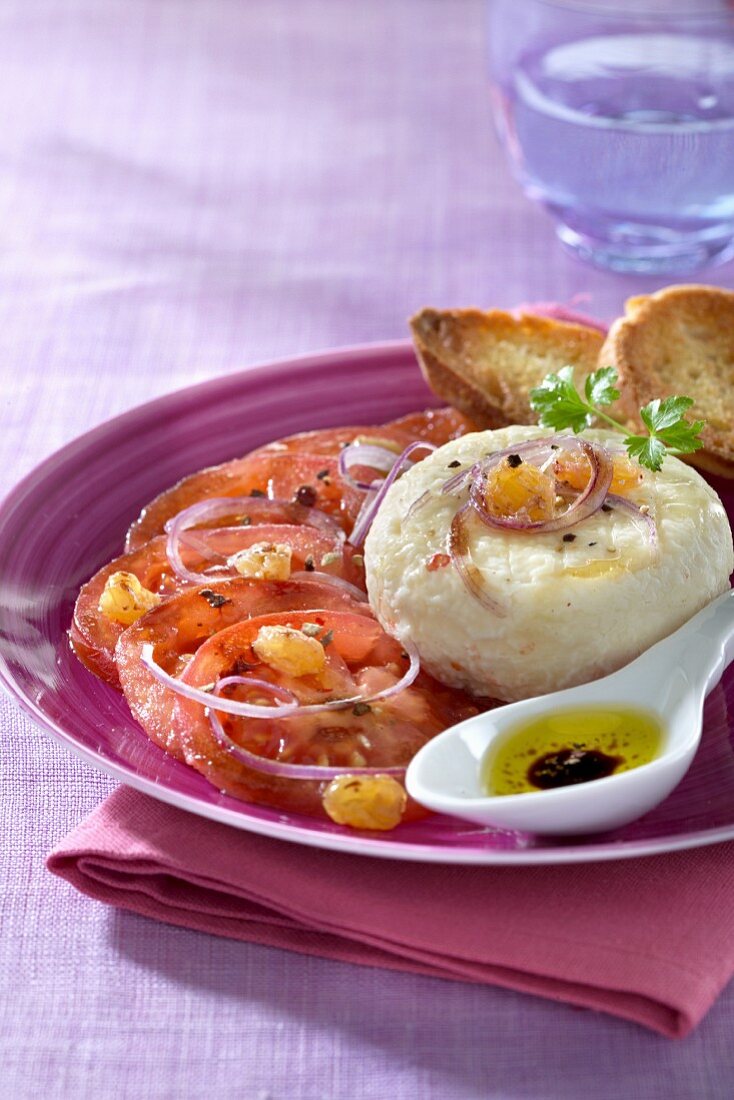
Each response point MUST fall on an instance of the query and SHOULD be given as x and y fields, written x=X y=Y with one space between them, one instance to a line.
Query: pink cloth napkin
x=651 y=940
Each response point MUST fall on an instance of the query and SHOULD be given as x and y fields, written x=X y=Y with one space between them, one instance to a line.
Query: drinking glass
x=618 y=116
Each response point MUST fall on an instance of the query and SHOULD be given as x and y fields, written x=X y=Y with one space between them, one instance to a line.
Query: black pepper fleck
x=592 y=544
x=454 y=464
x=214 y=599
x=322 y=474
x=308 y=564
x=514 y=461
x=306 y=496
x=569 y=538
x=257 y=493
x=361 y=708
x=607 y=508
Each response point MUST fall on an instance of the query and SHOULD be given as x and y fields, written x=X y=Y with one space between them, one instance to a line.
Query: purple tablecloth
x=187 y=187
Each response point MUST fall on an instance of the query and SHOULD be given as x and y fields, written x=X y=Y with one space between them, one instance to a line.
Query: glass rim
x=709 y=10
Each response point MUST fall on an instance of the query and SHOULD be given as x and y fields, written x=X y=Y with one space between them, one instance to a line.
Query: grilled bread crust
x=680 y=340
x=486 y=363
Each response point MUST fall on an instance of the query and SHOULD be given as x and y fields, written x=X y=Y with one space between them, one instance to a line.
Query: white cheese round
x=567 y=611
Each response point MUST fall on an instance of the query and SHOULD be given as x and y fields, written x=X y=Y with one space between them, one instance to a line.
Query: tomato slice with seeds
x=94 y=635
x=178 y=627
x=282 y=468
x=361 y=660
x=279 y=475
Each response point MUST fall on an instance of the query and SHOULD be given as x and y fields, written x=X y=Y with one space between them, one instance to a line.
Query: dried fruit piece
x=290 y=651
x=520 y=489
x=124 y=599
x=265 y=561
x=574 y=471
x=365 y=801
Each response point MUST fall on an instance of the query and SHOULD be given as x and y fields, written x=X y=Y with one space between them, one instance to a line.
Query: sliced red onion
x=364 y=454
x=367 y=514
x=643 y=519
x=458 y=481
x=298 y=514
x=364 y=518
x=584 y=505
x=281 y=709
x=281 y=768
x=418 y=504
x=460 y=554
x=329 y=578
x=218 y=507
x=529 y=448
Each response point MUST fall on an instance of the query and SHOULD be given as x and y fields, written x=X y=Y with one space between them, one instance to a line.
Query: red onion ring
x=458 y=481
x=584 y=505
x=278 y=767
x=421 y=502
x=460 y=554
x=530 y=448
x=329 y=578
x=642 y=518
x=217 y=507
x=281 y=710
x=364 y=454
x=364 y=517
x=367 y=514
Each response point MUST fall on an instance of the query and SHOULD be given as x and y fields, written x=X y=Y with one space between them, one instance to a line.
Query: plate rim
x=355 y=844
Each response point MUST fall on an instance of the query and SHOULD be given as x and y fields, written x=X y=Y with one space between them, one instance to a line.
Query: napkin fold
x=650 y=940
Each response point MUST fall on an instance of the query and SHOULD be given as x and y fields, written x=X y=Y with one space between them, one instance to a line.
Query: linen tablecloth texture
x=188 y=187
x=627 y=937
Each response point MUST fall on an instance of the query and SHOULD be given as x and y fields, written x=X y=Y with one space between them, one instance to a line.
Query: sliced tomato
x=437 y=426
x=207 y=550
x=329 y=441
x=361 y=659
x=178 y=627
x=286 y=468
x=307 y=478
x=94 y=635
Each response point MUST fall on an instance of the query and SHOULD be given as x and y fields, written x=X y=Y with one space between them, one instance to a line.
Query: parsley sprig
x=560 y=405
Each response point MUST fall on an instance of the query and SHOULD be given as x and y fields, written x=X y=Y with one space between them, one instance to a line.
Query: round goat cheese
x=564 y=610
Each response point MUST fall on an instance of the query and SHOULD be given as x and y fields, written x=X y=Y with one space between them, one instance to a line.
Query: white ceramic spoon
x=670 y=680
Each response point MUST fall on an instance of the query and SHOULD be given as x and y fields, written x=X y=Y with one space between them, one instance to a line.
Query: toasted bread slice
x=680 y=340
x=486 y=364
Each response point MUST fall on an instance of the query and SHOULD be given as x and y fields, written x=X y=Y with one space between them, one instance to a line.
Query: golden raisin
x=124 y=599
x=265 y=561
x=290 y=651
x=365 y=801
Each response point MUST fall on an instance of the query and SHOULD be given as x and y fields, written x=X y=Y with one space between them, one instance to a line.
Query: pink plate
x=69 y=517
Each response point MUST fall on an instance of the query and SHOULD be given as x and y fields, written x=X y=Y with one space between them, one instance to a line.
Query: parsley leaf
x=647 y=449
x=559 y=405
x=601 y=388
x=664 y=414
